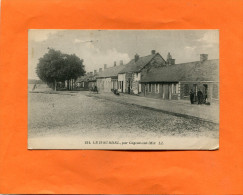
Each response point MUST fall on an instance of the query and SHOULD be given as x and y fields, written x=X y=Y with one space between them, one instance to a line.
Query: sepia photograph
x=123 y=89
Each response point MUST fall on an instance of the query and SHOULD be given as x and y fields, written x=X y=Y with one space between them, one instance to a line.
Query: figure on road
x=200 y=97
x=191 y=96
x=34 y=87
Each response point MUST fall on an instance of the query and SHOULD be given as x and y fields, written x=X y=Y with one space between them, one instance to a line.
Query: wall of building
x=104 y=84
x=100 y=84
x=209 y=88
x=168 y=91
x=82 y=85
x=107 y=85
x=121 y=82
x=114 y=84
x=135 y=84
x=131 y=81
x=91 y=84
x=156 y=62
x=181 y=90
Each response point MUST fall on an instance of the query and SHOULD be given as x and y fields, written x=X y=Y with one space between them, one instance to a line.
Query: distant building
x=82 y=83
x=87 y=81
x=175 y=81
x=107 y=80
x=129 y=77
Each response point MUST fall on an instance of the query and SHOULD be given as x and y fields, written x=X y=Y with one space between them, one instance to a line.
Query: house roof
x=192 y=71
x=133 y=66
x=110 y=72
x=82 y=78
x=86 y=78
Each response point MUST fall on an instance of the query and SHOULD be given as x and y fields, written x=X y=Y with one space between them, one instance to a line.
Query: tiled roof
x=86 y=78
x=110 y=72
x=133 y=66
x=82 y=78
x=192 y=71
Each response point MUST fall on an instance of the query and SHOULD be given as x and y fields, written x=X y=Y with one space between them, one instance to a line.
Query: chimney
x=95 y=72
x=169 y=59
x=100 y=69
x=169 y=56
x=91 y=74
x=172 y=61
x=136 y=57
x=121 y=62
x=105 y=66
x=114 y=63
x=153 y=52
x=203 y=57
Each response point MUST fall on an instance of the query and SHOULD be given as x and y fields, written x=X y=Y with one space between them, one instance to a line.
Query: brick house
x=129 y=77
x=175 y=81
x=107 y=80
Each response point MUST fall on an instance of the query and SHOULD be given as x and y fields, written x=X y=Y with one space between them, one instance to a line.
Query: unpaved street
x=77 y=116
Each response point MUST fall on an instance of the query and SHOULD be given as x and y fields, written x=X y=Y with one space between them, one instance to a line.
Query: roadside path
x=183 y=108
x=209 y=113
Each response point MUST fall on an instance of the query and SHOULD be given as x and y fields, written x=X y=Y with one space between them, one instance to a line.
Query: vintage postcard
x=123 y=89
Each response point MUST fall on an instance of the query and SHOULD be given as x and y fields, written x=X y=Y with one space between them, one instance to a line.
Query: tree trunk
x=68 y=85
x=55 y=85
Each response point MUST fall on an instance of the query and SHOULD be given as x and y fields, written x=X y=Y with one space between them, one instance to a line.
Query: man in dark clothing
x=95 y=89
x=191 y=96
x=200 y=97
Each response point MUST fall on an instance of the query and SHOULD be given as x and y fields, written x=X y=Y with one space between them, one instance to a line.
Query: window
x=174 y=88
x=177 y=88
x=139 y=88
x=186 y=90
x=119 y=84
x=156 y=88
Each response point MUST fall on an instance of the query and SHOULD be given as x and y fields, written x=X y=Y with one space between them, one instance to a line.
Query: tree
x=55 y=67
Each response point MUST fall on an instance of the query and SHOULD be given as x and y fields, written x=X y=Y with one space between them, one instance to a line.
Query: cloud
x=40 y=35
x=93 y=56
x=96 y=58
x=97 y=48
x=190 y=47
x=78 y=41
x=210 y=37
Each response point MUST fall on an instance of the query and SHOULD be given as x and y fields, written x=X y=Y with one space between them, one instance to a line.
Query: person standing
x=191 y=96
x=200 y=97
x=34 y=87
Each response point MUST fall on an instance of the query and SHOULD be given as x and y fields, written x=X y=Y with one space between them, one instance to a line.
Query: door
x=129 y=86
x=195 y=92
x=170 y=91
x=144 y=89
x=162 y=91
x=205 y=92
x=166 y=91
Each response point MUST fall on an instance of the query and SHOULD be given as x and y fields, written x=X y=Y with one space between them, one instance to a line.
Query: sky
x=99 y=47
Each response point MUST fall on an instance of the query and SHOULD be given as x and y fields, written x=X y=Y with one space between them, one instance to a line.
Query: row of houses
x=153 y=76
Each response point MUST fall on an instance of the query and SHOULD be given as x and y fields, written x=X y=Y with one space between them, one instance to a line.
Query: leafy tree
x=55 y=67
